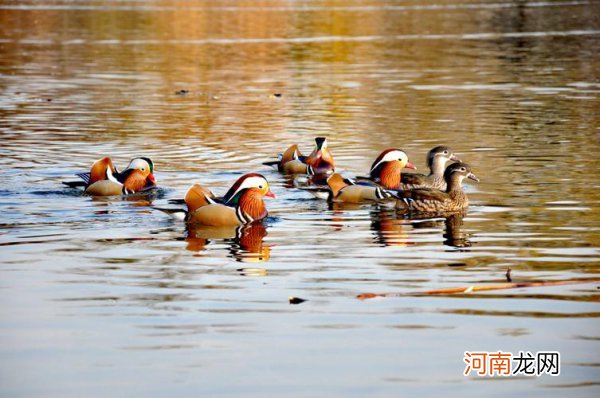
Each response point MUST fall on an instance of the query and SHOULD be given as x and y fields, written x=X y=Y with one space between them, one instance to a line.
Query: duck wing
x=413 y=179
x=425 y=195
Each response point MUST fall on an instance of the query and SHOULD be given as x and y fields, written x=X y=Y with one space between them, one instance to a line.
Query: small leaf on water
x=296 y=300
x=366 y=296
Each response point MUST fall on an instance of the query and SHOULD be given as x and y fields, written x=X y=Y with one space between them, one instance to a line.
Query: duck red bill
x=409 y=165
x=270 y=194
x=151 y=178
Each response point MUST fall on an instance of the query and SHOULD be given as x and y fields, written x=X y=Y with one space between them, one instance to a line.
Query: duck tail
x=75 y=184
x=176 y=201
x=85 y=177
x=271 y=163
x=177 y=214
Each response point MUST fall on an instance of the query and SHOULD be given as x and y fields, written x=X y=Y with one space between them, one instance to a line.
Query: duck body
x=105 y=180
x=347 y=191
x=430 y=200
x=320 y=160
x=242 y=204
x=437 y=158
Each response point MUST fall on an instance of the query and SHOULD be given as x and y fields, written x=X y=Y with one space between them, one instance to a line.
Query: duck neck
x=438 y=166
x=454 y=186
x=390 y=175
x=251 y=204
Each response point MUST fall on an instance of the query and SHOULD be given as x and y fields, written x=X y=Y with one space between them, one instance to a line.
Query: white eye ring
x=462 y=169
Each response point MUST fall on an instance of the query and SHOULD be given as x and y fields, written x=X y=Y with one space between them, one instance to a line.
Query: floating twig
x=471 y=289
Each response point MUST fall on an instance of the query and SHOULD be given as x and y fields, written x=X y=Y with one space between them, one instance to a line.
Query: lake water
x=110 y=297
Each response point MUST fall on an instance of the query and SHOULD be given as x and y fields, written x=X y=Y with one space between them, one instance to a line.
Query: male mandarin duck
x=387 y=168
x=348 y=191
x=437 y=159
x=320 y=161
x=105 y=180
x=242 y=204
x=428 y=200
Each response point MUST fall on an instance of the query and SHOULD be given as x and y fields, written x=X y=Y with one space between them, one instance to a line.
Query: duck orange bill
x=409 y=165
x=270 y=194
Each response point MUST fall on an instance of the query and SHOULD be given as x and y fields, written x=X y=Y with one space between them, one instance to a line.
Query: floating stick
x=471 y=289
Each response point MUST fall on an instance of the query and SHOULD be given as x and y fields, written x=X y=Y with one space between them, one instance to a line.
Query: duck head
x=456 y=173
x=138 y=175
x=247 y=195
x=143 y=164
x=388 y=166
x=321 y=160
x=438 y=157
x=251 y=182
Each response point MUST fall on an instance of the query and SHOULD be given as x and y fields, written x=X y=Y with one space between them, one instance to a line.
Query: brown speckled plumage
x=428 y=200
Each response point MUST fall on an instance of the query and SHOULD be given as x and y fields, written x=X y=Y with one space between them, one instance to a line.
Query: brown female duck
x=437 y=159
x=427 y=200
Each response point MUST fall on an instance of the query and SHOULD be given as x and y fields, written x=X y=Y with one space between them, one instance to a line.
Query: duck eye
x=260 y=186
x=143 y=169
x=445 y=152
x=462 y=169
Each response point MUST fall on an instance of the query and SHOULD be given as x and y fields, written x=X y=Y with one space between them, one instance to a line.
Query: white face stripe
x=251 y=182
x=111 y=177
x=390 y=156
x=138 y=164
x=324 y=145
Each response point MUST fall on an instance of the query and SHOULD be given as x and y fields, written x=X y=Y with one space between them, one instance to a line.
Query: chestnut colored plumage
x=242 y=204
x=346 y=191
x=320 y=161
x=428 y=200
x=105 y=180
x=437 y=158
x=386 y=170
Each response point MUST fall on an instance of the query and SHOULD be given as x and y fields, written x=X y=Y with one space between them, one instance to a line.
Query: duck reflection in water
x=246 y=242
x=454 y=234
x=392 y=230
